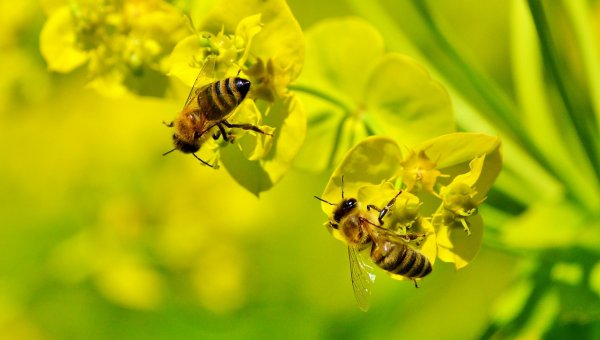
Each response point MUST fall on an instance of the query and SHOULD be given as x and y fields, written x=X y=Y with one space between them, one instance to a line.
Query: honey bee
x=208 y=106
x=389 y=251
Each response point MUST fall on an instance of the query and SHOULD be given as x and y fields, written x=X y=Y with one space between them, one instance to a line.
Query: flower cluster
x=262 y=42
x=354 y=90
x=133 y=46
x=440 y=211
x=125 y=43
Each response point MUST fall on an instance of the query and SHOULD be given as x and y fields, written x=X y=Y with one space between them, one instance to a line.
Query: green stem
x=581 y=18
x=336 y=141
x=372 y=127
x=581 y=122
x=322 y=95
x=347 y=110
x=504 y=112
x=493 y=108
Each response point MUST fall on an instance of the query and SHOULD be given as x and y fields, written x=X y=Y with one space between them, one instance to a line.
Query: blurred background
x=101 y=236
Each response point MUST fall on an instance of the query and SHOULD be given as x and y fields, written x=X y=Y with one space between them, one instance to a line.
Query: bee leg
x=245 y=127
x=223 y=132
x=372 y=206
x=227 y=136
x=416 y=284
x=385 y=210
x=220 y=133
x=414 y=237
x=168 y=124
x=203 y=161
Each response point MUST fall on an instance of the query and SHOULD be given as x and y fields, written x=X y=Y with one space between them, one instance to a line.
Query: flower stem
x=322 y=95
x=581 y=121
x=581 y=18
x=336 y=141
x=504 y=112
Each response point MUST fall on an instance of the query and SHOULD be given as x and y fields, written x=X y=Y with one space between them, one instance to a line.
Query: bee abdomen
x=420 y=265
x=400 y=259
x=220 y=98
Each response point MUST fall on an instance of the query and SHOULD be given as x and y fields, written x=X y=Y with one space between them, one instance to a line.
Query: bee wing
x=377 y=233
x=362 y=277
x=204 y=78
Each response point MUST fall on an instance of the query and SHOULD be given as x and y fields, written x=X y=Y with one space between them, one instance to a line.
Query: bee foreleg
x=380 y=219
x=220 y=133
x=226 y=135
x=245 y=127
x=385 y=210
x=168 y=124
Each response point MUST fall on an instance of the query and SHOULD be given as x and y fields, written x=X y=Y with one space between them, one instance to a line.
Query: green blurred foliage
x=101 y=237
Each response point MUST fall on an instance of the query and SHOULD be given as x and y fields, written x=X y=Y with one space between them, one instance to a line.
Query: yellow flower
x=458 y=210
x=459 y=197
x=372 y=170
x=418 y=172
x=124 y=42
x=262 y=42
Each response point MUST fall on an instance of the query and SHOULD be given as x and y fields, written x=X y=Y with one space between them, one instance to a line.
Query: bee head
x=344 y=208
x=243 y=86
x=184 y=146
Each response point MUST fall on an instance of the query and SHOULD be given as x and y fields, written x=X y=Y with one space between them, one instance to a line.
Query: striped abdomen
x=218 y=99
x=399 y=258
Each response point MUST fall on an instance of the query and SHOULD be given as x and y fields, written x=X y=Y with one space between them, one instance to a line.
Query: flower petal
x=58 y=42
x=287 y=117
x=405 y=102
x=372 y=161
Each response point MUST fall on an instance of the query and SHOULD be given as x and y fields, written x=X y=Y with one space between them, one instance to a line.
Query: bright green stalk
x=556 y=140
x=505 y=114
x=581 y=122
x=322 y=95
x=582 y=25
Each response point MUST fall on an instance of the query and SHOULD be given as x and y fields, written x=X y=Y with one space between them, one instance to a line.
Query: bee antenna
x=342 y=186
x=200 y=159
x=168 y=152
x=322 y=200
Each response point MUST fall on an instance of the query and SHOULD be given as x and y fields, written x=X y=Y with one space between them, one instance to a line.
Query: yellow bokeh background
x=103 y=237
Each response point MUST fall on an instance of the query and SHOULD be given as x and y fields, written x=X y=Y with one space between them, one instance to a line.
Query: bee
x=208 y=106
x=389 y=251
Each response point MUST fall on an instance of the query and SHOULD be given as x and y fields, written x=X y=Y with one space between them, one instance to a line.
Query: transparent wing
x=378 y=233
x=362 y=277
x=204 y=78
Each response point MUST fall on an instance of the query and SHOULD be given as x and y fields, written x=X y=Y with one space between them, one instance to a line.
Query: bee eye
x=351 y=203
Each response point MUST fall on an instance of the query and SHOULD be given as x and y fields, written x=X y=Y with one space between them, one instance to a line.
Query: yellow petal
x=372 y=161
x=58 y=42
